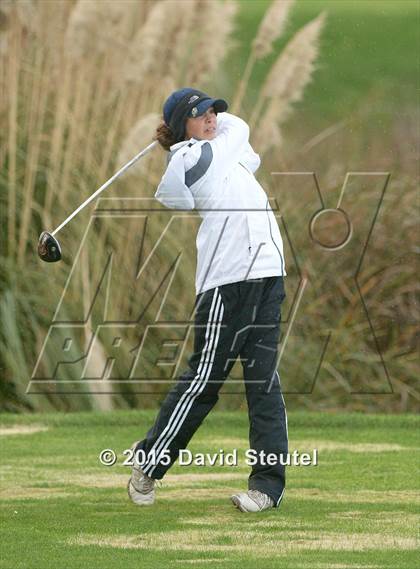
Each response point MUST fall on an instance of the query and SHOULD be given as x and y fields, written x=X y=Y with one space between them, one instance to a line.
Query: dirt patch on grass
x=62 y=477
x=307 y=445
x=406 y=519
x=16 y=493
x=185 y=479
x=351 y=515
x=358 y=496
x=174 y=486
x=254 y=543
x=221 y=493
x=207 y=560
x=340 y=566
x=93 y=480
x=320 y=445
x=212 y=520
x=116 y=480
x=224 y=443
x=22 y=430
x=226 y=520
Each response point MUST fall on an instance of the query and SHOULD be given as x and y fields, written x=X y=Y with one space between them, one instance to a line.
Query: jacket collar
x=179 y=145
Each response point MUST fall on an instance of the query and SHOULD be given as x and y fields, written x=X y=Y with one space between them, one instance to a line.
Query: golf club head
x=49 y=249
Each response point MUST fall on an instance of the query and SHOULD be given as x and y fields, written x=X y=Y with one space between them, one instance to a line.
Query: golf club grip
x=105 y=185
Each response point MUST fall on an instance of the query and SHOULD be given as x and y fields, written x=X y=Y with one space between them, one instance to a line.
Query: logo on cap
x=194 y=111
x=192 y=99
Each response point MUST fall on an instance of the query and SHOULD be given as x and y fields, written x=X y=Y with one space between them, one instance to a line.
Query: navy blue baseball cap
x=186 y=103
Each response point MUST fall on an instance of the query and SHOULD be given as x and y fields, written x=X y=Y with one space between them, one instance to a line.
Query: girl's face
x=202 y=127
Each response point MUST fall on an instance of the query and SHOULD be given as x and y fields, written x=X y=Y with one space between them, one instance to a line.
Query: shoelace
x=142 y=483
x=260 y=498
x=146 y=484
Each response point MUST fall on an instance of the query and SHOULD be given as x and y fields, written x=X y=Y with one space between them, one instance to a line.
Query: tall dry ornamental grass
x=79 y=97
x=270 y=29
x=285 y=83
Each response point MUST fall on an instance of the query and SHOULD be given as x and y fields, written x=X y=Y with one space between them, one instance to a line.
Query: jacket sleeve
x=175 y=199
x=231 y=141
x=172 y=191
x=250 y=159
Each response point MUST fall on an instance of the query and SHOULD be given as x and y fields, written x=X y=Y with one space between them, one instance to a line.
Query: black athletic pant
x=241 y=318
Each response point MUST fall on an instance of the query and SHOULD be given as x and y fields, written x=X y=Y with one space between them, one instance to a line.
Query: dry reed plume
x=286 y=81
x=95 y=27
x=139 y=137
x=271 y=28
x=213 y=27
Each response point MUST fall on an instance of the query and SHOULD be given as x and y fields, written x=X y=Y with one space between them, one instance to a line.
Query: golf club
x=49 y=249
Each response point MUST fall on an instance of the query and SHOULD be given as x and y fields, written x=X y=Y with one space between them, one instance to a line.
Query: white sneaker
x=140 y=487
x=252 y=501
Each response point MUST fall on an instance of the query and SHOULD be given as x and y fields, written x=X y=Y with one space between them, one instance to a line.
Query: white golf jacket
x=239 y=238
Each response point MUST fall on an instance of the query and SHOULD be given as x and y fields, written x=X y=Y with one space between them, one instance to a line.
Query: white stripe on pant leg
x=287 y=433
x=284 y=404
x=192 y=394
x=285 y=417
x=213 y=314
x=199 y=389
x=280 y=499
x=187 y=402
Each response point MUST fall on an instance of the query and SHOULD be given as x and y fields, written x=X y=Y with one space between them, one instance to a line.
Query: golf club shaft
x=104 y=186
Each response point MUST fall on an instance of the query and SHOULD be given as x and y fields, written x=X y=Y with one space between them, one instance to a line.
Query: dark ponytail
x=165 y=136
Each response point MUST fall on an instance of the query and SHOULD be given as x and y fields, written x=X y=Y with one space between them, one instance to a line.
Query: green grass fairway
x=61 y=508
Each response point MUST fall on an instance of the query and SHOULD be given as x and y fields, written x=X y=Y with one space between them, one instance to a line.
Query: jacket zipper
x=249 y=235
x=247 y=218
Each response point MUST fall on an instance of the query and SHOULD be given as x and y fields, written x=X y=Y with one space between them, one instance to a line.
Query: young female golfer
x=239 y=290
